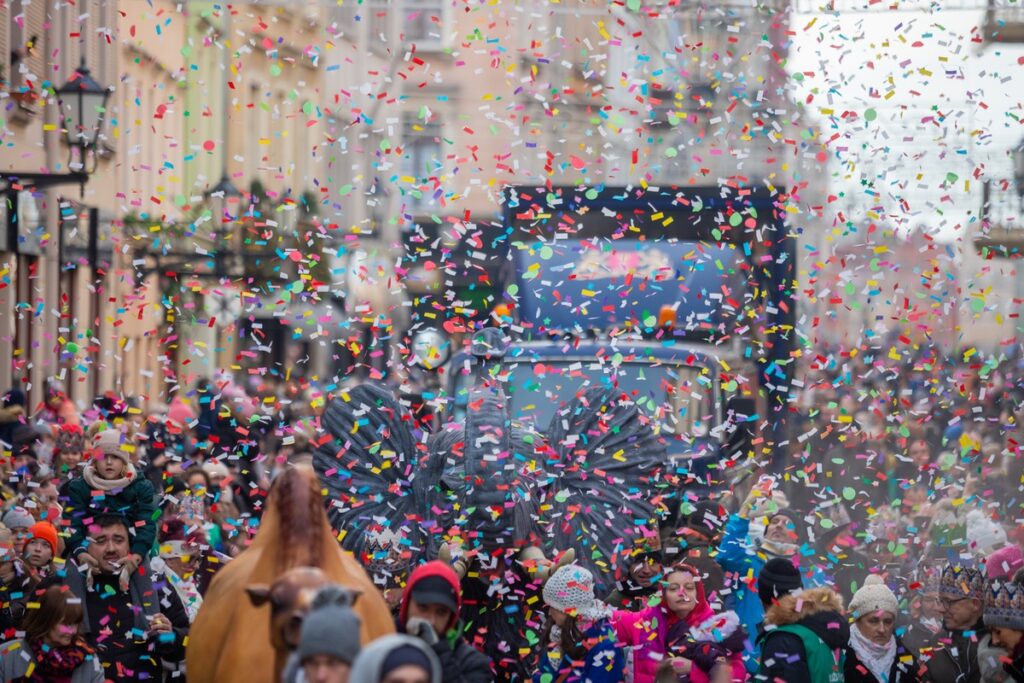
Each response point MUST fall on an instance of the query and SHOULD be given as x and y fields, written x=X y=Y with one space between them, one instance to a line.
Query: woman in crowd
x=51 y=649
x=875 y=654
x=579 y=639
x=681 y=637
x=1004 y=616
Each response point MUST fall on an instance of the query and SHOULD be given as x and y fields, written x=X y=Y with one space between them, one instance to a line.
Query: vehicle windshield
x=679 y=396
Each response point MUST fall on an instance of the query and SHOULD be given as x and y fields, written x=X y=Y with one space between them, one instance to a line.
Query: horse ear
x=259 y=594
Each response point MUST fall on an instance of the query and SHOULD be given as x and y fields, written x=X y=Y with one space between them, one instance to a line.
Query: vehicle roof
x=677 y=352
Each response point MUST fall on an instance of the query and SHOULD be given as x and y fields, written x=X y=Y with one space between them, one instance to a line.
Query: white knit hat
x=874 y=596
x=108 y=442
x=984 y=535
x=571 y=590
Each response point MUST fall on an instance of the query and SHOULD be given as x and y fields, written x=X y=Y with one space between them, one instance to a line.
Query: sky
x=927 y=107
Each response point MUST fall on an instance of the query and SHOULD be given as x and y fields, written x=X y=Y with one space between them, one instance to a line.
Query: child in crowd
x=109 y=484
x=580 y=640
x=40 y=549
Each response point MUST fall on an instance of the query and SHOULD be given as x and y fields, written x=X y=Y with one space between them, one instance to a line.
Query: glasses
x=949 y=602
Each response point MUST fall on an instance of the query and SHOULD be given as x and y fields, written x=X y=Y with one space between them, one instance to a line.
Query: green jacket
x=136 y=502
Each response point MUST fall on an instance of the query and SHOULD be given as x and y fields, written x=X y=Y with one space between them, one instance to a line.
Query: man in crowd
x=430 y=609
x=136 y=622
x=961 y=651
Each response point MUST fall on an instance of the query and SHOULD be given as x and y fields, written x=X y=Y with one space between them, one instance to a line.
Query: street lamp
x=83 y=106
x=83 y=102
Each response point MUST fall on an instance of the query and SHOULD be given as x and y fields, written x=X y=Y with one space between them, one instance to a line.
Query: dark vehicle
x=681 y=299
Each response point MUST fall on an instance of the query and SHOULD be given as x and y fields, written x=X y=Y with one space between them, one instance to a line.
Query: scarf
x=777 y=548
x=877 y=658
x=58 y=663
x=94 y=480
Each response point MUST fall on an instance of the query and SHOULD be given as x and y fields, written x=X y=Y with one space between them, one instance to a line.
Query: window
x=422 y=23
x=421 y=160
x=25 y=52
x=415 y=21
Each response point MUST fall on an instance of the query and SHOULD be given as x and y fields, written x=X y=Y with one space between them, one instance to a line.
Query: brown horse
x=230 y=639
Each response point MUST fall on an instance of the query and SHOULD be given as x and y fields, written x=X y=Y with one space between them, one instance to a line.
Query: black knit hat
x=405 y=655
x=778 y=577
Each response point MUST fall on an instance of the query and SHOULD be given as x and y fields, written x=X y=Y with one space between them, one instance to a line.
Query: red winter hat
x=433 y=583
x=46 y=532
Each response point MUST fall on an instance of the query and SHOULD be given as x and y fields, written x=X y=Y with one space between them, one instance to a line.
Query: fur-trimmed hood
x=795 y=607
x=819 y=609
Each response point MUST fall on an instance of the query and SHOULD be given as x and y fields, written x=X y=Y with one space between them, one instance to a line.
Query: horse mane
x=301 y=520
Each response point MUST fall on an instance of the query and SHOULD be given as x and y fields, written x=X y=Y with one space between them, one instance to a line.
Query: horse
x=230 y=640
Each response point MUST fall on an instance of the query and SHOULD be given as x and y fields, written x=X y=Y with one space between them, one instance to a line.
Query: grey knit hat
x=330 y=630
x=18 y=518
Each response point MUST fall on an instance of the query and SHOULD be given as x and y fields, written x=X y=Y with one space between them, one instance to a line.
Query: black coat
x=462 y=663
x=956 y=661
x=116 y=623
x=899 y=672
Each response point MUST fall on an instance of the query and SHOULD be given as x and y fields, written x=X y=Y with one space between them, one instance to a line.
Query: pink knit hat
x=1004 y=563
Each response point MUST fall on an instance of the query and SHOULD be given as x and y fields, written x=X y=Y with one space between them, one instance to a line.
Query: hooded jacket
x=460 y=661
x=647 y=633
x=783 y=656
x=368 y=664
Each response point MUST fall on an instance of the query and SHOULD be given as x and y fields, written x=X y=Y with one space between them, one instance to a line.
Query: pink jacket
x=647 y=631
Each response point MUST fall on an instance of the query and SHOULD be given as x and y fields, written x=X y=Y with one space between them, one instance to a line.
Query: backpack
x=822 y=661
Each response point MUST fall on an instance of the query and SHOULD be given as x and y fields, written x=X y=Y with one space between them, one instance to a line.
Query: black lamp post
x=83 y=106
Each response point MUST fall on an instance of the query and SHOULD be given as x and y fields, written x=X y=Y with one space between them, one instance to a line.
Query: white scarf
x=877 y=658
x=92 y=478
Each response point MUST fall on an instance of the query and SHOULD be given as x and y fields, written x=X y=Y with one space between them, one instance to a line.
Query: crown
x=961 y=582
x=1004 y=605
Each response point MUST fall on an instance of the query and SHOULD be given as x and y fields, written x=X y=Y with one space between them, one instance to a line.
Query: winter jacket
x=136 y=502
x=460 y=661
x=15 y=656
x=921 y=641
x=116 y=623
x=605 y=661
x=742 y=564
x=957 y=659
x=784 y=658
x=370 y=661
x=1015 y=667
x=647 y=633
x=904 y=668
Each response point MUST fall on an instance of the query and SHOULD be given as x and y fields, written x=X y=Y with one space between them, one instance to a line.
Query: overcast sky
x=943 y=86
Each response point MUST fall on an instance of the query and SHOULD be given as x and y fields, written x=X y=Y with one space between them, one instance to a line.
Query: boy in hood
x=430 y=609
x=396 y=658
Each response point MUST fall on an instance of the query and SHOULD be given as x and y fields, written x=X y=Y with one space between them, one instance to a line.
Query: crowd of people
x=886 y=547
